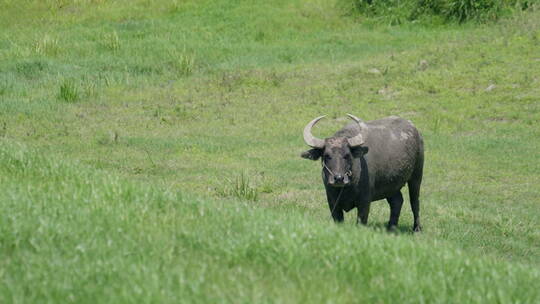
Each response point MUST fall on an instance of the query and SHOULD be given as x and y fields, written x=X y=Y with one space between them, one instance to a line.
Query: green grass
x=70 y=234
x=150 y=152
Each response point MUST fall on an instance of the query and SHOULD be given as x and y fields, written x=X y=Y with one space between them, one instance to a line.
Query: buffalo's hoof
x=392 y=228
x=417 y=228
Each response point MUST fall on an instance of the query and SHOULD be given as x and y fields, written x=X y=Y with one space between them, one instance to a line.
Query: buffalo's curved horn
x=358 y=140
x=311 y=140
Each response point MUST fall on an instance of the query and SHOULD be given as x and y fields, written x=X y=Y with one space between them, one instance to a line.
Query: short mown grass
x=150 y=152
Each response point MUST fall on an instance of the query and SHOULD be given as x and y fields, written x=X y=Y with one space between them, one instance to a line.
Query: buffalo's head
x=337 y=153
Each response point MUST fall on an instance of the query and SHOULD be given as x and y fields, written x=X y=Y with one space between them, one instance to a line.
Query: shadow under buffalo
x=400 y=229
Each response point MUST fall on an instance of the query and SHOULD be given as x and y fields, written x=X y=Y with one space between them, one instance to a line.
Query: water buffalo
x=368 y=161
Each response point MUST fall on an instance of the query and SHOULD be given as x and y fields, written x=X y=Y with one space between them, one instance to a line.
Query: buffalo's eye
x=327 y=157
x=347 y=156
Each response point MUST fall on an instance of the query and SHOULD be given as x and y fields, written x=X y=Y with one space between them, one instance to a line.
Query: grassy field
x=149 y=152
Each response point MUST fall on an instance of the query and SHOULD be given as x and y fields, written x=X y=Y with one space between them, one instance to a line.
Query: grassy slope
x=164 y=88
x=96 y=238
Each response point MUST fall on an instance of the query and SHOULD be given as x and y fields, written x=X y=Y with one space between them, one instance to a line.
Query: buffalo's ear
x=312 y=154
x=359 y=151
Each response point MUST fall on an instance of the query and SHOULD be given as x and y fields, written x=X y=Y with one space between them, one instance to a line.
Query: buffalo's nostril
x=338 y=178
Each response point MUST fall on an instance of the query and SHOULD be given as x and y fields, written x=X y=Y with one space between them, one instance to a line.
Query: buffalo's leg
x=395 y=201
x=363 y=213
x=414 y=194
x=337 y=214
x=335 y=209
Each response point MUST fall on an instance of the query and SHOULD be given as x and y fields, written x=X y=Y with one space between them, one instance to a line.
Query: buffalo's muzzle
x=339 y=180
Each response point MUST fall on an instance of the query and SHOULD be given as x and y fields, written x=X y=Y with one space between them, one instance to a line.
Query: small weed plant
x=184 y=64
x=112 y=41
x=241 y=187
x=47 y=46
x=68 y=91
